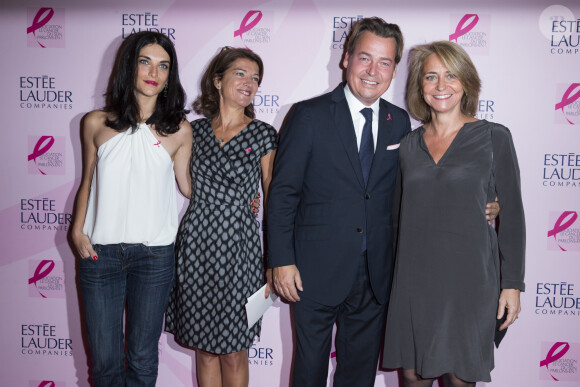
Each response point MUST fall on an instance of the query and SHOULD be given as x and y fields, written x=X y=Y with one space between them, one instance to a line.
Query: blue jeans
x=140 y=277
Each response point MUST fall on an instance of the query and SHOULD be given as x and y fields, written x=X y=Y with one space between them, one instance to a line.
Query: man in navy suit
x=330 y=233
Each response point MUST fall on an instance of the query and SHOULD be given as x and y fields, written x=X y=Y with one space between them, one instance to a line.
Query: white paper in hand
x=257 y=305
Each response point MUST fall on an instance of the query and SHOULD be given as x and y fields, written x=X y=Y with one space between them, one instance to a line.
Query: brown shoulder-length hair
x=379 y=27
x=208 y=103
x=457 y=62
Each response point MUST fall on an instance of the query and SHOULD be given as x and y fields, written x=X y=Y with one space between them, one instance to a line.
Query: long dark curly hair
x=120 y=95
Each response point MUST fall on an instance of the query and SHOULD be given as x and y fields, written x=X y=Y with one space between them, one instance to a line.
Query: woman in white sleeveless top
x=126 y=213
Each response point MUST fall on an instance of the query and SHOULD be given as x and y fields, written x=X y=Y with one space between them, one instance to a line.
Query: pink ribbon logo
x=463 y=27
x=561 y=225
x=42 y=146
x=552 y=356
x=38 y=23
x=46 y=383
x=43 y=269
x=567 y=99
x=246 y=24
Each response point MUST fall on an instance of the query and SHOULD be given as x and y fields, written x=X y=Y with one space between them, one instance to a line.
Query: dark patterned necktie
x=366 y=153
x=367 y=145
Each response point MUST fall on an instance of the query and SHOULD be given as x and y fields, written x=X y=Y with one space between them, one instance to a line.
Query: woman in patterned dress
x=219 y=257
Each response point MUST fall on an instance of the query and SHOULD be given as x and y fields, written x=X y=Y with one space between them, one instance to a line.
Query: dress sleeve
x=511 y=225
x=396 y=211
x=269 y=139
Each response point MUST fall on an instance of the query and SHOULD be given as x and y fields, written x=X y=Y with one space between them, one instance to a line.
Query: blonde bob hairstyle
x=457 y=62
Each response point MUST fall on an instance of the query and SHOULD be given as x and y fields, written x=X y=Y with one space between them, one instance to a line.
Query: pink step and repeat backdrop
x=57 y=58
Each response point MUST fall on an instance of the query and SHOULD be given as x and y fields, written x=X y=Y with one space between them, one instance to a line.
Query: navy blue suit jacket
x=318 y=203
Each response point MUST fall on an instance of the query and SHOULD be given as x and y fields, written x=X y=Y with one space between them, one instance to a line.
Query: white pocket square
x=393 y=147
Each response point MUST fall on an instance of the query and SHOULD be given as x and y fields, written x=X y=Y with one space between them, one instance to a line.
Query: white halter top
x=133 y=195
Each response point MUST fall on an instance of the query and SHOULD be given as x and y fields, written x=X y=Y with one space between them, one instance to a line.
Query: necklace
x=221 y=140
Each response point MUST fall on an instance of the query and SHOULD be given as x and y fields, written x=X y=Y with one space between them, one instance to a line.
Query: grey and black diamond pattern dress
x=219 y=257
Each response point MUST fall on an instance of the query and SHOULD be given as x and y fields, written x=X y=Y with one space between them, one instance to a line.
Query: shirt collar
x=355 y=106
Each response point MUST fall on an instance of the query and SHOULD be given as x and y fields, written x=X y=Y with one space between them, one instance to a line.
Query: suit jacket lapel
x=345 y=129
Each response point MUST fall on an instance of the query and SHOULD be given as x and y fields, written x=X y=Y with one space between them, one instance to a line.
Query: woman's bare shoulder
x=94 y=128
x=184 y=133
x=94 y=120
